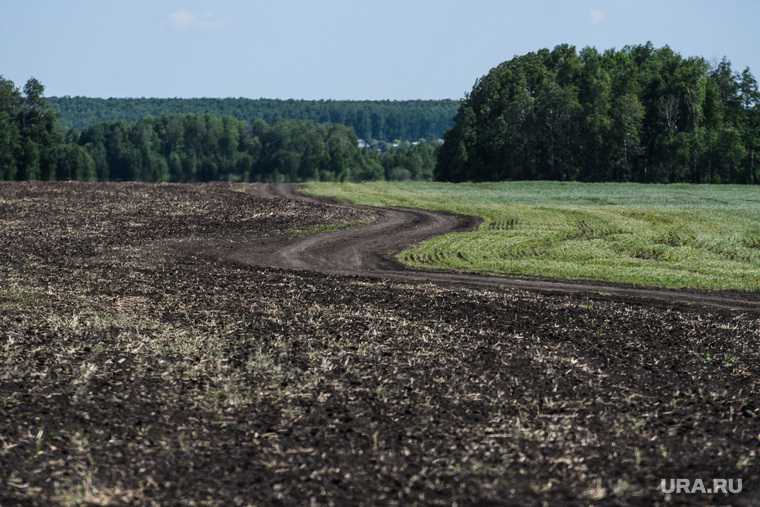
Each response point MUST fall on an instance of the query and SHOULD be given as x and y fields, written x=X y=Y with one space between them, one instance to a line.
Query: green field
x=678 y=236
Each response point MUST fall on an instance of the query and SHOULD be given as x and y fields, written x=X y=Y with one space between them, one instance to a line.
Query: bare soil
x=145 y=359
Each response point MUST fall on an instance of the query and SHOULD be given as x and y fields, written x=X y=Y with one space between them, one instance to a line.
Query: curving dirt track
x=369 y=251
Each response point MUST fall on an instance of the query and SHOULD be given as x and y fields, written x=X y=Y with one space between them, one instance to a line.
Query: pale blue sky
x=339 y=49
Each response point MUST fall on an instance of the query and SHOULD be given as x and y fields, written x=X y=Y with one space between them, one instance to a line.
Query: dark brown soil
x=140 y=363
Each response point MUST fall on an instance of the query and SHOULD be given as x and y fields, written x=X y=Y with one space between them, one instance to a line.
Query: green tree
x=73 y=162
x=10 y=136
x=641 y=113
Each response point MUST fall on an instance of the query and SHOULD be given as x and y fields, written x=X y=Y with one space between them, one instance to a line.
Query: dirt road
x=369 y=251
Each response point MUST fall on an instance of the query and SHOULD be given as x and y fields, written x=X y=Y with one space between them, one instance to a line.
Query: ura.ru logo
x=689 y=486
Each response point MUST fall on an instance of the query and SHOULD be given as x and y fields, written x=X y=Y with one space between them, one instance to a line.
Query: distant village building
x=382 y=146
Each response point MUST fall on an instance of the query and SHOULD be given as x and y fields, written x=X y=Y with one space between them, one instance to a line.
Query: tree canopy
x=370 y=119
x=637 y=114
x=209 y=148
x=191 y=147
x=640 y=114
x=32 y=145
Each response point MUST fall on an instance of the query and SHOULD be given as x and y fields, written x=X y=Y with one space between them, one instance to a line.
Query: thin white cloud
x=185 y=19
x=598 y=16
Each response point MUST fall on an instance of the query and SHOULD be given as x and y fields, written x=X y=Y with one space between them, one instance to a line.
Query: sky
x=336 y=49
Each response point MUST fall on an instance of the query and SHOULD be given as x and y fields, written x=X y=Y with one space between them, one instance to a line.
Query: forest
x=211 y=148
x=191 y=147
x=386 y=120
x=640 y=114
x=32 y=144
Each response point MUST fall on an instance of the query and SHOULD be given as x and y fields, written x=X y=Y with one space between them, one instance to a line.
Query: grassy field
x=678 y=236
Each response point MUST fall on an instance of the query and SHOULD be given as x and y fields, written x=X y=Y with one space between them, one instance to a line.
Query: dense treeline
x=208 y=148
x=638 y=114
x=386 y=120
x=409 y=161
x=32 y=146
x=191 y=148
